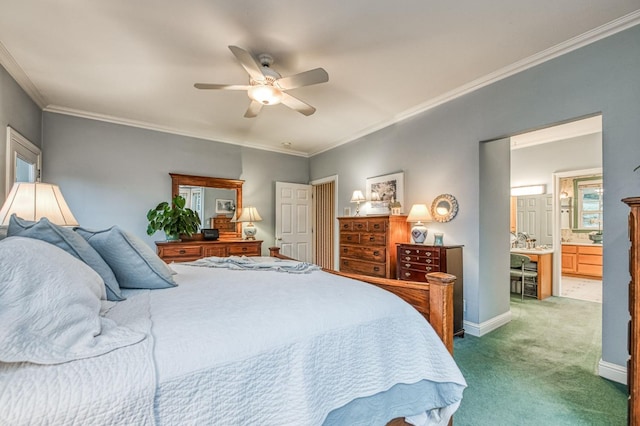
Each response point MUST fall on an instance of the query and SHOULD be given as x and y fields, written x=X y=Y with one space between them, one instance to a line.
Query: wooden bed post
x=441 y=306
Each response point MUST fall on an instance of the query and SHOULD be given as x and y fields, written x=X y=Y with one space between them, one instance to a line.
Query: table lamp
x=357 y=198
x=419 y=213
x=249 y=215
x=35 y=200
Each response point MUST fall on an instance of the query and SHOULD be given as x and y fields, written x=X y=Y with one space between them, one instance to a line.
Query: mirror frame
x=453 y=208
x=211 y=182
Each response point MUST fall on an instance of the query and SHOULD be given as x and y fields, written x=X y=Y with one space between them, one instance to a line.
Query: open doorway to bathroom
x=563 y=219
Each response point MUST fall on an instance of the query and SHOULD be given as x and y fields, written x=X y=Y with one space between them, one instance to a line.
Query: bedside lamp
x=249 y=215
x=357 y=198
x=35 y=200
x=419 y=213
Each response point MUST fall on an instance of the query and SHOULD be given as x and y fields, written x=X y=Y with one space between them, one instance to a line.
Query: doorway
x=552 y=158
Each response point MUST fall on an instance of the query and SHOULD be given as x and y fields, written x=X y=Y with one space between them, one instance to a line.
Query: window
x=588 y=198
x=24 y=160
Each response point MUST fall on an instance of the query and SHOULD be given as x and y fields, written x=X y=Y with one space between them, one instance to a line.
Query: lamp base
x=250 y=232
x=419 y=233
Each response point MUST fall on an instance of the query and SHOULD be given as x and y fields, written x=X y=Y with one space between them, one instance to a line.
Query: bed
x=221 y=341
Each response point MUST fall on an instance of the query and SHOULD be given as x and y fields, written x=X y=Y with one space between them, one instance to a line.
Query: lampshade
x=419 y=213
x=33 y=201
x=265 y=94
x=249 y=214
x=357 y=196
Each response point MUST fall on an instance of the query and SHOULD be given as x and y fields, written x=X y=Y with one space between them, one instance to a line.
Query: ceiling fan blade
x=221 y=86
x=248 y=62
x=306 y=78
x=295 y=103
x=253 y=110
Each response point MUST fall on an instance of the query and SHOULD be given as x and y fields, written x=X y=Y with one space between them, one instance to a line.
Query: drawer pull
x=407 y=252
x=244 y=249
x=359 y=226
x=428 y=253
x=372 y=239
x=407 y=274
x=407 y=265
x=428 y=268
x=376 y=226
x=182 y=251
x=408 y=258
x=349 y=238
x=428 y=260
x=376 y=268
x=376 y=253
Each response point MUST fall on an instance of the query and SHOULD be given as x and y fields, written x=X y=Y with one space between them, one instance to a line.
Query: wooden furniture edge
x=440 y=290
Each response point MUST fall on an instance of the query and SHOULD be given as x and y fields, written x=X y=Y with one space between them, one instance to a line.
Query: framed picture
x=224 y=206
x=383 y=190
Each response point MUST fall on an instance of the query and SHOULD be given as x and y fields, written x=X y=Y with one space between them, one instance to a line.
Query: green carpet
x=540 y=369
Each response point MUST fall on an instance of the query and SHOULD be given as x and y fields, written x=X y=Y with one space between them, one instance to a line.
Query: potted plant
x=174 y=219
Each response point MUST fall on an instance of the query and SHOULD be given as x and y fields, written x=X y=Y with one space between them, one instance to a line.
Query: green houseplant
x=174 y=219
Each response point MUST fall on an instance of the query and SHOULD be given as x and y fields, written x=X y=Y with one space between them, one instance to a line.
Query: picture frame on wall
x=382 y=191
x=224 y=206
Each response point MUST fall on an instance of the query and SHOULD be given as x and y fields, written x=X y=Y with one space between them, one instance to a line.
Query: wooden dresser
x=415 y=261
x=368 y=244
x=186 y=251
x=633 y=365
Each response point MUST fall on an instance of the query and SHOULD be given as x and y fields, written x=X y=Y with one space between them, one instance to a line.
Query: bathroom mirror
x=444 y=208
x=215 y=199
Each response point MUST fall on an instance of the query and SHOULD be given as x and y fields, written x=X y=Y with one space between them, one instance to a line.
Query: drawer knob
x=376 y=268
x=407 y=252
x=407 y=274
x=182 y=251
x=428 y=260
x=428 y=268
x=408 y=258
x=372 y=238
x=376 y=226
x=428 y=253
x=376 y=253
x=244 y=249
x=407 y=265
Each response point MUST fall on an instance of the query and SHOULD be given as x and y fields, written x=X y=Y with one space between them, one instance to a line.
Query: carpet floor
x=540 y=369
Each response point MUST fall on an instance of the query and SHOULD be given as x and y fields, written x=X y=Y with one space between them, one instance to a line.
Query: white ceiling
x=135 y=62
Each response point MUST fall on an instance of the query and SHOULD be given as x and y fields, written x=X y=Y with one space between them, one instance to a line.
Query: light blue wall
x=535 y=164
x=439 y=153
x=113 y=174
x=21 y=113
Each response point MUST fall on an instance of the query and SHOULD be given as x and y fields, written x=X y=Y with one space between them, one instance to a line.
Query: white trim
x=488 y=326
x=20 y=77
x=611 y=371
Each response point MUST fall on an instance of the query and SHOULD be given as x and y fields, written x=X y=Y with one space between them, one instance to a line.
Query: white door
x=293 y=220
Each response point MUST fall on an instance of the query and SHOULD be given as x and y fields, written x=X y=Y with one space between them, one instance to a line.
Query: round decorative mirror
x=444 y=208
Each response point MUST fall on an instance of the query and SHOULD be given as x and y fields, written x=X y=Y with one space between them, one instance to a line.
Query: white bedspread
x=255 y=347
x=116 y=388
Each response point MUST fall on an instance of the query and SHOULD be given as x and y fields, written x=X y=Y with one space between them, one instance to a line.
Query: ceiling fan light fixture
x=265 y=94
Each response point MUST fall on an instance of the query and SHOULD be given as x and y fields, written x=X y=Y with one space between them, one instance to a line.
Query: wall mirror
x=214 y=199
x=444 y=208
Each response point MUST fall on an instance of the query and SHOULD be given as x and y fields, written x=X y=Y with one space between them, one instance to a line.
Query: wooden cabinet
x=187 y=251
x=368 y=244
x=415 y=261
x=633 y=365
x=222 y=223
x=582 y=260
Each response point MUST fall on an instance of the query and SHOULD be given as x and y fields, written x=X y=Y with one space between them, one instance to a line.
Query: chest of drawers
x=367 y=244
x=187 y=251
x=415 y=261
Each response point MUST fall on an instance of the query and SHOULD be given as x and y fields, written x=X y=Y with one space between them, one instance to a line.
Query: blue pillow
x=70 y=242
x=133 y=262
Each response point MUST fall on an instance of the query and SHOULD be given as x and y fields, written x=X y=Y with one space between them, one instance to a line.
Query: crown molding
x=592 y=36
x=18 y=74
x=154 y=127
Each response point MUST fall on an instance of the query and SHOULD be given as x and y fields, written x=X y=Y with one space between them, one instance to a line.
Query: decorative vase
x=438 y=239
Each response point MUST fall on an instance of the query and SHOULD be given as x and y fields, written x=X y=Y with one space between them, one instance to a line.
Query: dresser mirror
x=214 y=199
x=444 y=208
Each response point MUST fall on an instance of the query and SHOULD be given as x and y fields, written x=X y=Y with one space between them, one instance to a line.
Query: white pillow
x=50 y=306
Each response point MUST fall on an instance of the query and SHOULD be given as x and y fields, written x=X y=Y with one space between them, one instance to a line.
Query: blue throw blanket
x=256 y=263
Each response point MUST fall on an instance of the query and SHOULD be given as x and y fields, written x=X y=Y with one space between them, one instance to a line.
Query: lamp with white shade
x=249 y=215
x=357 y=197
x=419 y=213
x=35 y=200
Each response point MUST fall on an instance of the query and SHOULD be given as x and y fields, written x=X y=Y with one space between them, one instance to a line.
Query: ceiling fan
x=266 y=86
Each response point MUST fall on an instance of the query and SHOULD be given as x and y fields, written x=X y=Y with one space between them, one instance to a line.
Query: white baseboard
x=485 y=327
x=614 y=372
